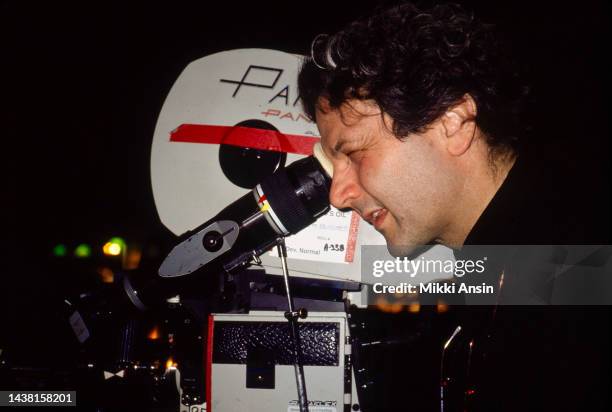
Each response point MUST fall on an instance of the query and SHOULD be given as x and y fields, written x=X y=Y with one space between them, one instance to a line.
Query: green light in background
x=119 y=241
x=60 y=250
x=82 y=251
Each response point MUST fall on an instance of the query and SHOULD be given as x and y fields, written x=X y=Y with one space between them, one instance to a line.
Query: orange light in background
x=170 y=364
x=111 y=249
x=154 y=334
x=385 y=306
x=114 y=247
x=133 y=259
x=414 y=307
x=441 y=307
x=106 y=274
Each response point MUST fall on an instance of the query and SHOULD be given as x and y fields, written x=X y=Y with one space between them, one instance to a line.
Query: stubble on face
x=404 y=176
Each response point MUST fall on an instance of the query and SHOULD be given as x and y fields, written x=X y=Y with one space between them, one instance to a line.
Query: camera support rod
x=292 y=316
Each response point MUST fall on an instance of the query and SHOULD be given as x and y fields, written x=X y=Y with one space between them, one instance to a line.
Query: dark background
x=83 y=84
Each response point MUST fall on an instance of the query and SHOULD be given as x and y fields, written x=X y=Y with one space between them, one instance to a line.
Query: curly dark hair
x=415 y=64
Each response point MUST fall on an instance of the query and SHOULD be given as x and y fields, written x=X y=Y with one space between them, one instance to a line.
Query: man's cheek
x=373 y=179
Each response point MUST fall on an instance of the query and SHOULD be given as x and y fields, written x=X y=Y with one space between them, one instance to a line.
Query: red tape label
x=244 y=137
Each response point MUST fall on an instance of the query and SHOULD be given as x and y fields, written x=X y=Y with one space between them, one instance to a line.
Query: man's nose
x=345 y=188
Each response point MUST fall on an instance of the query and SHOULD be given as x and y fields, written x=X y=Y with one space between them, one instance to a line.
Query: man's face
x=405 y=188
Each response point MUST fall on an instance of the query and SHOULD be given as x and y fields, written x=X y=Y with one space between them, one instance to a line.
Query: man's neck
x=482 y=181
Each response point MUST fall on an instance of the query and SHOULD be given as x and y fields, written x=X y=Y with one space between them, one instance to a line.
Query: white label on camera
x=330 y=239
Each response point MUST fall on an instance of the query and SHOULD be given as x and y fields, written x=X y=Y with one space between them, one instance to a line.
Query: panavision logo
x=264 y=77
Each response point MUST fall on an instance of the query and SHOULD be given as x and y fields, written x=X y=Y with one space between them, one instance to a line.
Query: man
x=419 y=112
x=427 y=96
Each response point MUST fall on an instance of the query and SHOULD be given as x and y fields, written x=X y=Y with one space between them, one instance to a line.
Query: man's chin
x=401 y=247
x=408 y=251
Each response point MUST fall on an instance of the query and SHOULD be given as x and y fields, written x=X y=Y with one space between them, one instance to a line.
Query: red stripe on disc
x=244 y=137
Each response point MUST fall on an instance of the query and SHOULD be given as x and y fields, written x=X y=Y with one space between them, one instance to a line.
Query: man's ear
x=459 y=124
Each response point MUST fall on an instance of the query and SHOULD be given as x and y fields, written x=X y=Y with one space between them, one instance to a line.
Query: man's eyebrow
x=352 y=142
